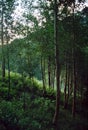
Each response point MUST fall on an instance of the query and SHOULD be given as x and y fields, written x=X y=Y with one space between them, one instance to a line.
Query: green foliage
x=10 y=114
x=21 y=53
x=38 y=111
x=3 y=92
x=29 y=108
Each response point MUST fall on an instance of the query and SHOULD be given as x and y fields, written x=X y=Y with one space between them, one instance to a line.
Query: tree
x=55 y=120
x=7 y=8
x=2 y=39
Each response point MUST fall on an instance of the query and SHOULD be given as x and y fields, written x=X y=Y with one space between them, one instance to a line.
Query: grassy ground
x=28 y=109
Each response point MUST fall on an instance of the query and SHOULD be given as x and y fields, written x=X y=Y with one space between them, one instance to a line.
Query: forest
x=43 y=64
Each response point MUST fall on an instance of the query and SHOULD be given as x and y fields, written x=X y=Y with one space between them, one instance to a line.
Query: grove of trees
x=45 y=41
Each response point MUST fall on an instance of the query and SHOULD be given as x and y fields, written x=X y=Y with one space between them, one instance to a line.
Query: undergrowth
x=29 y=109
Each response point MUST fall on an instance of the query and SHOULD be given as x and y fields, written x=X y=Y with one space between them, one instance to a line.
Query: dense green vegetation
x=43 y=65
x=28 y=109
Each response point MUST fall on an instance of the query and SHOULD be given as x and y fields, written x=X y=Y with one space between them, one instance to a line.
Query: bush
x=3 y=92
x=10 y=114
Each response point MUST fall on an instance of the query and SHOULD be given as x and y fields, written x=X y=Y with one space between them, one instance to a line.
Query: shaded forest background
x=44 y=65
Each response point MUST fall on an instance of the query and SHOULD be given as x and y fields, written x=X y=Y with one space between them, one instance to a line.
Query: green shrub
x=10 y=113
x=3 y=92
x=3 y=84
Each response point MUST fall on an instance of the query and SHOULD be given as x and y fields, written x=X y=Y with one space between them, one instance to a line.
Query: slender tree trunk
x=81 y=92
x=65 y=96
x=24 y=96
x=3 y=65
x=70 y=83
x=68 y=80
x=43 y=75
x=74 y=91
x=49 y=72
x=8 y=77
x=54 y=74
x=8 y=63
x=74 y=65
x=2 y=42
x=56 y=115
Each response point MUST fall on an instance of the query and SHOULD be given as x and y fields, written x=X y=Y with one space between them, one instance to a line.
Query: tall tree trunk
x=70 y=83
x=56 y=115
x=24 y=94
x=74 y=91
x=8 y=77
x=8 y=64
x=49 y=72
x=2 y=42
x=43 y=74
x=65 y=96
x=54 y=74
x=68 y=79
x=74 y=64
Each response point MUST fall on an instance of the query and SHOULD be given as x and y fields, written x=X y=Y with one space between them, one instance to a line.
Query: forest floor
x=27 y=108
